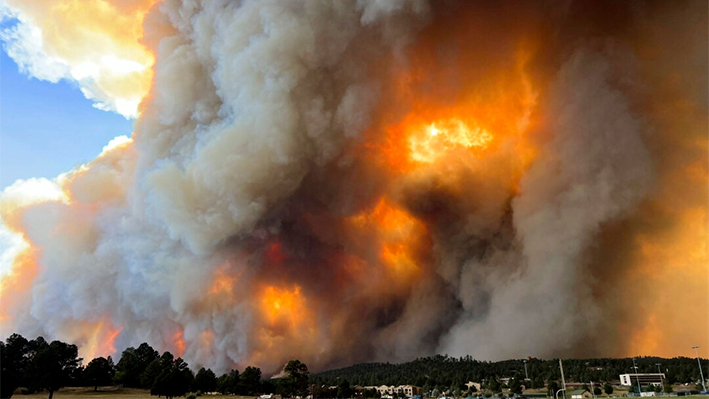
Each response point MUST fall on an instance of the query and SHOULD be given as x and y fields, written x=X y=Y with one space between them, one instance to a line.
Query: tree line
x=36 y=366
x=445 y=373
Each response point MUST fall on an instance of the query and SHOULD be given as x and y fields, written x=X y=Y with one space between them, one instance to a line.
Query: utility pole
x=563 y=381
x=637 y=377
x=700 y=366
x=526 y=377
x=593 y=393
x=662 y=382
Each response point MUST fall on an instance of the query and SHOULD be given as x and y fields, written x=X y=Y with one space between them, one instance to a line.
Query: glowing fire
x=99 y=338
x=178 y=342
x=439 y=139
x=281 y=305
x=398 y=234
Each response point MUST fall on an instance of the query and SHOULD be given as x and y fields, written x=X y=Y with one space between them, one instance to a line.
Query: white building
x=628 y=380
x=391 y=390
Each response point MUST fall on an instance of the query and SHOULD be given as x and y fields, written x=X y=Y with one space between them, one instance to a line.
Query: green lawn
x=133 y=393
x=109 y=392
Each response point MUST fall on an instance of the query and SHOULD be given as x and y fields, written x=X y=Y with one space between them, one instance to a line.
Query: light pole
x=662 y=382
x=563 y=381
x=701 y=373
x=526 y=377
x=637 y=377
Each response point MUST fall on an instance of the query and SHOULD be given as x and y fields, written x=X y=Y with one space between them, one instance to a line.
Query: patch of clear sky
x=48 y=128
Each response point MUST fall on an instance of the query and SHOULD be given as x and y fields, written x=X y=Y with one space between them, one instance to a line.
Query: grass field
x=133 y=393
x=109 y=392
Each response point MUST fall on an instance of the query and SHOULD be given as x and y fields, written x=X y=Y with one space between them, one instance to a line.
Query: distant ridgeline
x=443 y=372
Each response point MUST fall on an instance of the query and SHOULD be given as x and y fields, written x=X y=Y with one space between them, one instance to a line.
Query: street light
x=637 y=377
x=700 y=366
x=662 y=383
x=526 y=377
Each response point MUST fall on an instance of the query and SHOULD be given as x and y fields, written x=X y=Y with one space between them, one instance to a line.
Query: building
x=471 y=384
x=410 y=390
x=628 y=380
x=581 y=394
x=390 y=391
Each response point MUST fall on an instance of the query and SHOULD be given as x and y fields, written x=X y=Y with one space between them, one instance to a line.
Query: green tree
x=174 y=380
x=538 y=381
x=296 y=381
x=515 y=386
x=607 y=388
x=52 y=365
x=99 y=371
x=133 y=363
x=553 y=388
x=494 y=385
x=344 y=390
x=597 y=391
x=154 y=369
x=205 y=381
x=250 y=381
x=228 y=383
x=13 y=363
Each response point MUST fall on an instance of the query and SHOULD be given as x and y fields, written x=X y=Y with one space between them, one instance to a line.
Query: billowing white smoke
x=267 y=90
x=251 y=137
x=247 y=97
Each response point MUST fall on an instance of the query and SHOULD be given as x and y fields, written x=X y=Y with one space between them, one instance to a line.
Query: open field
x=108 y=392
x=133 y=393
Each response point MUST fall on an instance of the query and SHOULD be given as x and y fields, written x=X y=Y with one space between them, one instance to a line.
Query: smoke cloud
x=371 y=180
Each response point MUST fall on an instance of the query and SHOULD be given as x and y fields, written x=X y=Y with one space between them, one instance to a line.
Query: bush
x=191 y=396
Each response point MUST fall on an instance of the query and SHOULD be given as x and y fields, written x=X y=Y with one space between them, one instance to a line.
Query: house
x=410 y=390
x=407 y=390
x=471 y=384
x=581 y=394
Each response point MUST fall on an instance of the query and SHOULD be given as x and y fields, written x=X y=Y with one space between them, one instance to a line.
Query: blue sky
x=48 y=128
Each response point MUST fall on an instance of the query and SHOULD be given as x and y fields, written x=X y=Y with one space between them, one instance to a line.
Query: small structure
x=581 y=394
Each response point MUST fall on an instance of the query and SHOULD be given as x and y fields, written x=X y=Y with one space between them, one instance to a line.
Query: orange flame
x=284 y=306
x=178 y=342
x=441 y=138
x=399 y=235
x=95 y=338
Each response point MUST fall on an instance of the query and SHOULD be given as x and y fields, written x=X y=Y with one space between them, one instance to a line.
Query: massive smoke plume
x=342 y=181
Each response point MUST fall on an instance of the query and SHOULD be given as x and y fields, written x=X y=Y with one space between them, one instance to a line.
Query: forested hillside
x=443 y=371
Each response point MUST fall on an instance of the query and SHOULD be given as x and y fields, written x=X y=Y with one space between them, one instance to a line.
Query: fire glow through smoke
x=356 y=181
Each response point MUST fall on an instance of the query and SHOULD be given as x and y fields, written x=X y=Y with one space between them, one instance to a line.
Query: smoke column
x=369 y=180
